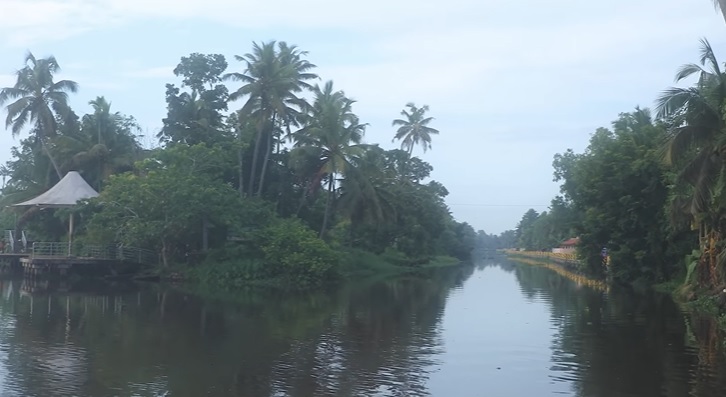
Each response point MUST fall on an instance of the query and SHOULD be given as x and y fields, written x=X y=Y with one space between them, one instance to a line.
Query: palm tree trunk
x=205 y=234
x=50 y=157
x=42 y=134
x=708 y=263
x=100 y=162
x=263 y=172
x=164 y=253
x=712 y=258
x=268 y=150
x=303 y=199
x=240 y=158
x=255 y=155
x=328 y=203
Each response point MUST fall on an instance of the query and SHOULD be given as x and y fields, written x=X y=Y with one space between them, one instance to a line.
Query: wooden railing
x=50 y=250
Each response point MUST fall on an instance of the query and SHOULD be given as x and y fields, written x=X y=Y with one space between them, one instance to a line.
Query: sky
x=510 y=83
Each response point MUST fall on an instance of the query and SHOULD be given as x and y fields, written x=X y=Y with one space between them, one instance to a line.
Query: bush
x=228 y=274
x=295 y=253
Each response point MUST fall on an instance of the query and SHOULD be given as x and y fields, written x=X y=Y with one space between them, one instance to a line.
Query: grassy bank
x=252 y=272
x=359 y=263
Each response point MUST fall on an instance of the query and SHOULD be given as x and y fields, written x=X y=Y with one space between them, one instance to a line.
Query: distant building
x=567 y=246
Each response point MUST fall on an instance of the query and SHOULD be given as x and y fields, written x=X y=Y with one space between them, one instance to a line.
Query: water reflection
x=498 y=329
x=366 y=339
x=624 y=343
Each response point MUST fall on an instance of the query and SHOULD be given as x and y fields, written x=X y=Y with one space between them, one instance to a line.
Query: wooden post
x=70 y=234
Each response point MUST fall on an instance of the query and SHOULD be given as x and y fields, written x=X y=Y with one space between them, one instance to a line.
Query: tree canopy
x=242 y=170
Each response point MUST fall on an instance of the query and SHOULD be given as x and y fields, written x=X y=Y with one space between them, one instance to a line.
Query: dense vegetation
x=650 y=189
x=260 y=174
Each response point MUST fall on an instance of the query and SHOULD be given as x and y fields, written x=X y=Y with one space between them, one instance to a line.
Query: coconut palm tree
x=414 y=129
x=274 y=76
x=38 y=100
x=697 y=148
x=331 y=126
x=105 y=144
x=368 y=191
x=721 y=6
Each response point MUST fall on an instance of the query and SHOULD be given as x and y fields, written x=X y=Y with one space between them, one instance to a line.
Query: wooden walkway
x=35 y=266
x=57 y=258
x=9 y=256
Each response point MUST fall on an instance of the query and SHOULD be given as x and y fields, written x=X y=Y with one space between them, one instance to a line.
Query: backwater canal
x=497 y=328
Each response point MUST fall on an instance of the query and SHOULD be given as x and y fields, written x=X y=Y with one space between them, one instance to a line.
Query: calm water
x=497 y=329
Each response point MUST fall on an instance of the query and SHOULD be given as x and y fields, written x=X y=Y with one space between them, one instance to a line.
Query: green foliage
x=615 y=195
x=285 y=252
x=619 y=185
x=691 y=262
x=230 y=274
x=6 y=221
x=38 y=101
x=489 y=242
x=525 y=230
x=167 y=205
x=294 y=252
x=223 y=186
x=197 y=117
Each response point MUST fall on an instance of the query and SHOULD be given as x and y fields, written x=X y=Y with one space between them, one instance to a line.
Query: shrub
x=295 y=253
x=236 y=273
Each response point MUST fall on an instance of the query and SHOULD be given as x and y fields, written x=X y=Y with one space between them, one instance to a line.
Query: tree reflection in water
x=623 y=343
x=125 y=339
x=370 y=338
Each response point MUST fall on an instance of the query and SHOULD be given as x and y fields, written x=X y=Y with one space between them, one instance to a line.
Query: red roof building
x=570 y=243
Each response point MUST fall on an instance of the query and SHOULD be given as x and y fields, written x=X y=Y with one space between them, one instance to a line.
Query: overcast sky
x=510 y=83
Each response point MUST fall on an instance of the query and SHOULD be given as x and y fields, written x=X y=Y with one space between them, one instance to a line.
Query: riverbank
x=559 y=268
x=250 y=272
x=706 y=303
x=702 y=303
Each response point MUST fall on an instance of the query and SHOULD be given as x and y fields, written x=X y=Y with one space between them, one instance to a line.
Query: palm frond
x=688 y=70
x=708 y=57
x=18 y=120
x=64 y=85
x=683 y=139
x=10 y=93
x=674 y=99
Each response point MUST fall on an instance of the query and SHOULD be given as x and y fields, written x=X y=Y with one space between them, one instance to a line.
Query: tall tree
x=106 y=143
x=274 y=76
x=333 y=128
x=197 y=116
x=201 y=72
x=619 y=194
x=525 y=232
x=414 y=129
x=367 y=196
x=38 y=100
x=696 y=147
